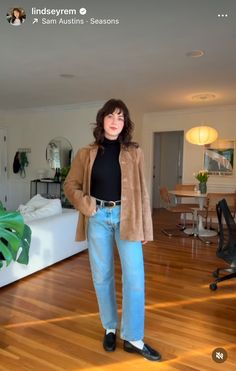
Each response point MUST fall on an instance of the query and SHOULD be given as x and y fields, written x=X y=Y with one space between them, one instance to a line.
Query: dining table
x=197 y=229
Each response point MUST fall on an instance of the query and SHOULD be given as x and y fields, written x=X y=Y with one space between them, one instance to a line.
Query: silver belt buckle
x=113 y=204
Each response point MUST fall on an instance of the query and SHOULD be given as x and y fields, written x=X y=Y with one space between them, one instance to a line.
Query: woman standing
x=106 y=184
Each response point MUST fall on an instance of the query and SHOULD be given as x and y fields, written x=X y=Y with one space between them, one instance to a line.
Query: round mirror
x=59 y=153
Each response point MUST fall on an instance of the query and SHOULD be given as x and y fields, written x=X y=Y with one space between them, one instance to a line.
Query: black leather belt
x=103 y=203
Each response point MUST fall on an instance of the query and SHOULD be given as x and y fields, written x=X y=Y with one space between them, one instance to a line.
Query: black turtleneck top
x=106 y=173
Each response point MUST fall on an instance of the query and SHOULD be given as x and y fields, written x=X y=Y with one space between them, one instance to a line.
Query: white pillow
x=24 y=209
x=39 y=207
x=37 y=201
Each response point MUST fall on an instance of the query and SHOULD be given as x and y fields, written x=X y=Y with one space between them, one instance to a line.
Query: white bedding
x=39 y=207
x=53 y=239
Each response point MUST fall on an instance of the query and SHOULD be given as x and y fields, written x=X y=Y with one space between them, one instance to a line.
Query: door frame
x=3 y=166
x=157 y=182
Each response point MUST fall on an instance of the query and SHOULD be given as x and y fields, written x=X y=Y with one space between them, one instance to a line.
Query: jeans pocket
x=97 y=211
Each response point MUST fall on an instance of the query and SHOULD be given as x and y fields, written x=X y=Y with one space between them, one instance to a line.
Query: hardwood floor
x=49 y=321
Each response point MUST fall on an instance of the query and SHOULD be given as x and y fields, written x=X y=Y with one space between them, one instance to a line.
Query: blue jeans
x=103 y=229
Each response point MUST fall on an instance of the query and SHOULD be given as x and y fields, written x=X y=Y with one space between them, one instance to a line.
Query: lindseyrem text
x=56 y=12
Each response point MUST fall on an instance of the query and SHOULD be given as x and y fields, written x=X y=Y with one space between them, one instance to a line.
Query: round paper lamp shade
x=201 y=135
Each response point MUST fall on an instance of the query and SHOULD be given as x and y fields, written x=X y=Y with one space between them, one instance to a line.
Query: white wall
x=35 y=128
x=221 y=118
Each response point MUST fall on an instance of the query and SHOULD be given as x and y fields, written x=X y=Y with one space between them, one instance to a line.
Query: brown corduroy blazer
x=136 y=219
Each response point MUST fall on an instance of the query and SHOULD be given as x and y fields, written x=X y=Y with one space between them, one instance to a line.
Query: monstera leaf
x=15 y=238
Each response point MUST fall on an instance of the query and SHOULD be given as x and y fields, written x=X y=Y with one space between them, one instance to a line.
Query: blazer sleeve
x=74 y=185
x=146 y=207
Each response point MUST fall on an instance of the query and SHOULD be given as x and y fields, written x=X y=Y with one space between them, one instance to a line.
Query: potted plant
x=15 y=238
x=202 y=176
x=64 y=171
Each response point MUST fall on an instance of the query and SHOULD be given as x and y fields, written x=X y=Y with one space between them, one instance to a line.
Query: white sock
x=138 y=344
x=113 y=330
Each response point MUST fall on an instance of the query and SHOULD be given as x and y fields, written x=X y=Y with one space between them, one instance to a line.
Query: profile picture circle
x=16 y=16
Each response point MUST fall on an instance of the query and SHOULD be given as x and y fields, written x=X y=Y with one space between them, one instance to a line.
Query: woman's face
x=16 y=13
x=113 y=124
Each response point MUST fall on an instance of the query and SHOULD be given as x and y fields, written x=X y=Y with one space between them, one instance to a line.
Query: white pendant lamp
x=201 y=135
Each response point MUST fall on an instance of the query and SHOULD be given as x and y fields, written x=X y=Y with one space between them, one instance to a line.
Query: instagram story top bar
x=51 y=17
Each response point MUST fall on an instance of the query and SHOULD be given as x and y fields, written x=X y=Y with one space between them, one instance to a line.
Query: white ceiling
x=142 y=60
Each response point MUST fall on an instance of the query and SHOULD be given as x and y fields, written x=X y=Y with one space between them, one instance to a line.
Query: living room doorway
x=167 y=162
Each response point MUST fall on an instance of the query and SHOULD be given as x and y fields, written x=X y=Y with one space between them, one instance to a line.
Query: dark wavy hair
x=21 y=15
x=125 y=137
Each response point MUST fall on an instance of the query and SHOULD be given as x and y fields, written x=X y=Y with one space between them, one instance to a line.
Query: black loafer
x=147 y=352
x=109 y=342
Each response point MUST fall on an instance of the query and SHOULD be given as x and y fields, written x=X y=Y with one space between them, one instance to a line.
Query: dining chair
x=185 y=187
x=175 y=209
x=209 y=211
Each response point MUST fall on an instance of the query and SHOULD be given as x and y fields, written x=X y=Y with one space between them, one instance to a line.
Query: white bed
x=53 y=239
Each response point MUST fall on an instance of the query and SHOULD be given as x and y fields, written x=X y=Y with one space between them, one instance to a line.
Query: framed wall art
x=219 y=157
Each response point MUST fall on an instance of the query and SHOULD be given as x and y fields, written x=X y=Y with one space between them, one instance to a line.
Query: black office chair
x=227 y=244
